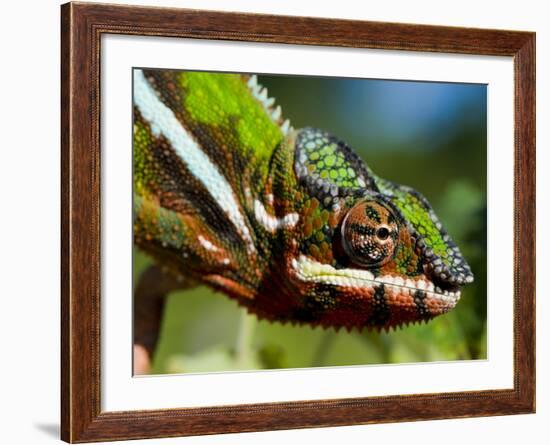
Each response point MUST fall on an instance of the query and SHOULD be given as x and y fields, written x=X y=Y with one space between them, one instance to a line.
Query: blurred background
x=428 y=135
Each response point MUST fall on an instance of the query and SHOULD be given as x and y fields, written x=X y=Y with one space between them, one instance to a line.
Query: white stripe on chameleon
x=312 y=271
x=272 y=223
x=207 y=244
x=163 y=121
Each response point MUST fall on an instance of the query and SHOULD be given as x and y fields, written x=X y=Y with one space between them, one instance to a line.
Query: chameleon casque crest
x=289 y=222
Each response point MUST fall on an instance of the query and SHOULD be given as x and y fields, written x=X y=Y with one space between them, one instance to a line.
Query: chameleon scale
x=292 y=224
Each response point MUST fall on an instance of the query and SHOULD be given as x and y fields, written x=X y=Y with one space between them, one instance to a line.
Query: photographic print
x=295 y=221
x=287 y=229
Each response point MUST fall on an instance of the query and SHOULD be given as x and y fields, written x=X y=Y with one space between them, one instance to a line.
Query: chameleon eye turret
x=370 y=234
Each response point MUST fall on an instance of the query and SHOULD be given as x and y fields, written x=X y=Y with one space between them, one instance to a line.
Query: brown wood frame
x=81 y=28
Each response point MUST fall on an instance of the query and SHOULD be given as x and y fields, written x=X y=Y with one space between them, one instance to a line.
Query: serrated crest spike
x=276 y=115
x=285 y=127
x=253 y=81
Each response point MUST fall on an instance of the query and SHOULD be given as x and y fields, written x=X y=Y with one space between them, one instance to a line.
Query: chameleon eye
x=382 y=233
x=370 y=233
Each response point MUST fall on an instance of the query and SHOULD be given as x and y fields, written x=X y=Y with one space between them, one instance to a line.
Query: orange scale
x=435 y=306
x=368 y=292
x=404 y=299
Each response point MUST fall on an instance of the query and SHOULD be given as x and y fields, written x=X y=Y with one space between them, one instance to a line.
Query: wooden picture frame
x=82 y=26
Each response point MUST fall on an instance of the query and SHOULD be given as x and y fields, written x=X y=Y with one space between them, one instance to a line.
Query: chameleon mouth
x=312 y=271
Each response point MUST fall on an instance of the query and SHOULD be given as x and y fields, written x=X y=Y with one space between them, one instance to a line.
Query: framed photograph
x=275 y=222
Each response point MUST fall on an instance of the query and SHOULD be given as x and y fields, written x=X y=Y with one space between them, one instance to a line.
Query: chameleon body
x=292 y=224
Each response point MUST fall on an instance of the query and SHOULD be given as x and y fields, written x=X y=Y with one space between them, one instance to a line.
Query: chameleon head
x=391 y=261
x=383 y=275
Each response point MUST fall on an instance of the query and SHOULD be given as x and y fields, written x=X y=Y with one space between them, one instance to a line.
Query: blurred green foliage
x=431 y=136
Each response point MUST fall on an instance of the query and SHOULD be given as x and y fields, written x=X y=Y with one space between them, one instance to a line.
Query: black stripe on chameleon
x=166 y=85
x=381 y=312
x=419 y=300
x=373 y=214
x=321 y=299
x=362 y=229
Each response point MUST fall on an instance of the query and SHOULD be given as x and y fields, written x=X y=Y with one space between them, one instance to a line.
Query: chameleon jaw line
x=315 y=272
